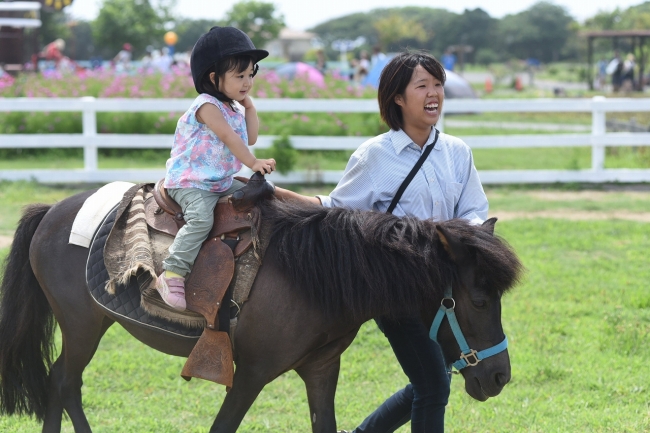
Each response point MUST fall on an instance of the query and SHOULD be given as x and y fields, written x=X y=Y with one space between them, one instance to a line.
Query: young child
x=210 y=145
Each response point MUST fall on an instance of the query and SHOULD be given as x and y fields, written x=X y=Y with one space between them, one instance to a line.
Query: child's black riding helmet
x=218 y=43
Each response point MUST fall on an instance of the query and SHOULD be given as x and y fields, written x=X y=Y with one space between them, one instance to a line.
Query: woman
x=411 y=97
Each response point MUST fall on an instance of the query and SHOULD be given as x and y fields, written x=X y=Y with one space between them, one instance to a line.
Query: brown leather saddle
x=236 y=224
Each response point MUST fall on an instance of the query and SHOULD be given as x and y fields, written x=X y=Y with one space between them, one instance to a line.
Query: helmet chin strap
x=468 y=357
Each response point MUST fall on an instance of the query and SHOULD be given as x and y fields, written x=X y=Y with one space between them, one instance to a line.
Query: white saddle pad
x=93 y=211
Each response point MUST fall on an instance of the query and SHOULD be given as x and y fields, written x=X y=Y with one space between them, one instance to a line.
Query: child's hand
x=247 y=102
x=264 y=166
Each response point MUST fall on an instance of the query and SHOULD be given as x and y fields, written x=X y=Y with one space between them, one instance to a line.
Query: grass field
x=557 y=158
x=578 y=326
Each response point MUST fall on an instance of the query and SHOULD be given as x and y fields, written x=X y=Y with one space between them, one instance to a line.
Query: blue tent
x=372 y=79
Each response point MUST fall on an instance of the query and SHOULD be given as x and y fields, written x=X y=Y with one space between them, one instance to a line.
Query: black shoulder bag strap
x=411 y=175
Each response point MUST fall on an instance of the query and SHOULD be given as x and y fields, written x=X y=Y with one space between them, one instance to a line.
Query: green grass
x=15 y=195
x=558 y=158
x=535 y=200
x=555 y=117
x=578 y=326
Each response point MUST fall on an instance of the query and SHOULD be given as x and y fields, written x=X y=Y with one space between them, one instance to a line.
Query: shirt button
x=437 y=203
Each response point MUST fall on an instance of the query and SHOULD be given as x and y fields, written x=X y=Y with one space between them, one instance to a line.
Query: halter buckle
x=453 y=303
x=471 y=355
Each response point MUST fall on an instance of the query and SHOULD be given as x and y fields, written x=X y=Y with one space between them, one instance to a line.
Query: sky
x=304 y=14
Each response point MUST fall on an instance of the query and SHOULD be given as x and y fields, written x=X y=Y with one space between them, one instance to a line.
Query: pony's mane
x=368 y=264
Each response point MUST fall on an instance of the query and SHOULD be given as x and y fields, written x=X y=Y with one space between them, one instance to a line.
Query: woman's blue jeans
x=423 y=400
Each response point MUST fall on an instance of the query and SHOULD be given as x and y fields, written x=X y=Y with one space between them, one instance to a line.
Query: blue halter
x=468 y=357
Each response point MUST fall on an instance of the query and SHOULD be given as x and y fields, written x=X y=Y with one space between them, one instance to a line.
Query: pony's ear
x=489 y=225
x=456 y=249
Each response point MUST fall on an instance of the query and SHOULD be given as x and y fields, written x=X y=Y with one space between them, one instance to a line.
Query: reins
x=468 y=357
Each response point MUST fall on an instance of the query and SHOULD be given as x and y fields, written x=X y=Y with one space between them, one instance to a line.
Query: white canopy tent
x=12 y=14
x=15 y=17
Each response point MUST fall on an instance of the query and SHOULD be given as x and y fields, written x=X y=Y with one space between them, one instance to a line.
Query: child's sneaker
x=172 y=291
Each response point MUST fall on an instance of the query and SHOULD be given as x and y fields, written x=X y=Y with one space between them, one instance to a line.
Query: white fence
x=90 y=140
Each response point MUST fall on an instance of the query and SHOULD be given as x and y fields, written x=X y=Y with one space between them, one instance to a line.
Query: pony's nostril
x=501 y=379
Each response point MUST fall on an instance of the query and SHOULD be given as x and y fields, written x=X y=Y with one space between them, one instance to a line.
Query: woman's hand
x=264 y=166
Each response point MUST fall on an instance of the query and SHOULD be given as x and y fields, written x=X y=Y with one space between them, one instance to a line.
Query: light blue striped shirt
x=446 y=186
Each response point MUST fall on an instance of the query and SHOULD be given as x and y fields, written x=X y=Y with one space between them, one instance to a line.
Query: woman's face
x=421 y=102
x=235 y=85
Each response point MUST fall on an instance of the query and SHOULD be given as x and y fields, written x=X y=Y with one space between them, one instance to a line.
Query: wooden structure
x=638 y=39
x=15 y=17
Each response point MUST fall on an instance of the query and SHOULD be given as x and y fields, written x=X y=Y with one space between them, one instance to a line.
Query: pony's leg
x=246 y=386
x=66 y=372
x=320 y=381
x=320 y=372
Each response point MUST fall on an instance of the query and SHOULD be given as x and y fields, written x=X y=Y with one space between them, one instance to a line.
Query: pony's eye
x=479 y=304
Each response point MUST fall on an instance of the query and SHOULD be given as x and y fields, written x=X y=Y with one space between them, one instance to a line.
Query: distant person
x=210 y=145
x=363 y=67
x=147 y=59
x=448 y=60
x=53 y=51
x=377 y=56
x=354 y=67
x=161 y=60
x=627 y=73
x=601 y=78
x=321 y=61
x=122 y=60
x=615 y=69
x=96 y=62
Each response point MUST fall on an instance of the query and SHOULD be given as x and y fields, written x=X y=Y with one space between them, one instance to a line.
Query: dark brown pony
x=325 y=272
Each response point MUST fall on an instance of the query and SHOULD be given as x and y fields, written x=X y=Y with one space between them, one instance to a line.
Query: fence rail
x=90 y=140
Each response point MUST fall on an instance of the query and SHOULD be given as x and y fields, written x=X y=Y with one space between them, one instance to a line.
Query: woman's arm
x=285 y=194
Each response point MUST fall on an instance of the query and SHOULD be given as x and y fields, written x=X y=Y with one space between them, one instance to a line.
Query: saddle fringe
x=125 y=278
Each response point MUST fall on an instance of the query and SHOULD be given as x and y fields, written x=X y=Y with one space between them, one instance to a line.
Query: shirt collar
x=400 y=140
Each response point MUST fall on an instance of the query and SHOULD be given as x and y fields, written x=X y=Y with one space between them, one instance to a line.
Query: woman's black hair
x=395 y=77
x=239 y=63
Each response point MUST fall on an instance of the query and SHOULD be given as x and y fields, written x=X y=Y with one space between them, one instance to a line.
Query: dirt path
x=573 y=215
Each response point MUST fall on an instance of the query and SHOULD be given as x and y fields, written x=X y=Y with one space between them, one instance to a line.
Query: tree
x=132 y=21
x=259 y=20
x=477 y=29
x=80 y=45
x=189 y=31
x=53 y=26
x=540 y=31
x=436 y=24
x=634 y=18
x=395 y=28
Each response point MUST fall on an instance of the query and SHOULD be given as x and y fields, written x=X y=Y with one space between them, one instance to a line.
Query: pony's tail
x=26 y=327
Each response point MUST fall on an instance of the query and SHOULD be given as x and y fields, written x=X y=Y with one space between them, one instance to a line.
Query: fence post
x=440 y=126
x=598 y=129
x=89 y=123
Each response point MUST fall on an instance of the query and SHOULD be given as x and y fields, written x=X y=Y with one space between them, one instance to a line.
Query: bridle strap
x=468 y=357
